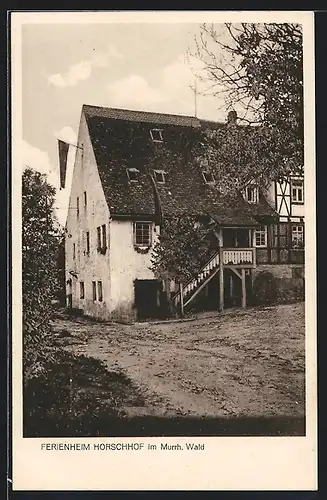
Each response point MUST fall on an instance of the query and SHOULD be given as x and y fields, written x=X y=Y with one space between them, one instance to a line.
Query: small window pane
x=297 y=191
x=132 y=174
x=104 y=236
x=260 y=236
x=100 y=296
x=81 y=290
x=297 y=236
x=208 y=177
x=142 y=234
x=160 y=176
x=94 y=290
x=87 y=242
x=99 y=237
x=156 y=135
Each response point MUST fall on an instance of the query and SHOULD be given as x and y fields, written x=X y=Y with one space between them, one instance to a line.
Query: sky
x=132 y=66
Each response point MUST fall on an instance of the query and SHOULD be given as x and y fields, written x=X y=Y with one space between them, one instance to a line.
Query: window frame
x=134 y=170
x=205 y=173
x=262 y=231
x=87 y=243
x=94 y=291
x=162 y=173
x=102 y=238
x=85 y=200
x=99 y=291
x=255 y=189
x=142 y=245
x=298 y=186
x=159 y=131
x=81 y=290
x=297 y=240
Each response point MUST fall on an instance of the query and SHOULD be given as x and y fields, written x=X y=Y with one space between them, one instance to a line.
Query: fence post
x=181 y=299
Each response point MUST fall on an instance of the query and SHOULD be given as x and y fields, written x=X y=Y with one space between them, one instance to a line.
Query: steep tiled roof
x=121 y=139
x=141 y=116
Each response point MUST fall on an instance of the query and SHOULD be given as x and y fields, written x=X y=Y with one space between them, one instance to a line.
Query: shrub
x=265 y=290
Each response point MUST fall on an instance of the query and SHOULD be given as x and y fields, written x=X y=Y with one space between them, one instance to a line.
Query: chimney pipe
x=232 y=118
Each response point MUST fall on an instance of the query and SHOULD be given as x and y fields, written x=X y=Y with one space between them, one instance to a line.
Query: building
x=133 y=168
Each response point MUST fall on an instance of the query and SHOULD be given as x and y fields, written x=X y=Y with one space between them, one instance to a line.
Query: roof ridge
x=138 y=111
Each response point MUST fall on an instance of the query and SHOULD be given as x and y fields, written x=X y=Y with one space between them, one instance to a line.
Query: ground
x=238 y=364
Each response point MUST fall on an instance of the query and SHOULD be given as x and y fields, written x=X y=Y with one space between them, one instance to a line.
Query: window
x=87 y=243
x=142 y=234
x=297 y=236
x=85 y=200
x=156 y=135
x=297 y=191
x=132 y=174
x=94 y=290
x=100 y=296
x=74 y=251
x=102 y=238
x=160 y=176
x=208 y=177
x=77 y=206
x=81 y=290
x=252 y=194
x=260 y=236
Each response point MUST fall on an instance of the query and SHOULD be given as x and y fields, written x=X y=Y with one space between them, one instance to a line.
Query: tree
x=258 y=70
x=41 y=237
x=182 y=249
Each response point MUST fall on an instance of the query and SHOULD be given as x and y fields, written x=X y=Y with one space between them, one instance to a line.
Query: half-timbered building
x=134 y=168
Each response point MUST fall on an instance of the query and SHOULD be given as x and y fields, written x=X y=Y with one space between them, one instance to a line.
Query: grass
x=77 y=397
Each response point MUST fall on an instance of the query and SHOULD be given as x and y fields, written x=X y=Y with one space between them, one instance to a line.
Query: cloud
x=76 y=73
x=39 y=160
x=133 y=91
x=67 y=134
x=173 y=93
x=82 y=70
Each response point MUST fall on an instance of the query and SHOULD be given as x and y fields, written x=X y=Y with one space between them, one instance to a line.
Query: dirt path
x=247 y=363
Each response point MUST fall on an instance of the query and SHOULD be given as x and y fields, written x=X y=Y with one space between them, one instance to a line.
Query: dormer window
x=133 y=174
x=208 y=177
x=160 y=176
x=251 y=194
x=156 y=135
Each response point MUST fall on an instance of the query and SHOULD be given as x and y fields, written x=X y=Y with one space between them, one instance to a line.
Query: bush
x=265 y=290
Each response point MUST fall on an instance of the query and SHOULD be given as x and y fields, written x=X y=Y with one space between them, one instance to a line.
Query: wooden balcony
x=239 y=257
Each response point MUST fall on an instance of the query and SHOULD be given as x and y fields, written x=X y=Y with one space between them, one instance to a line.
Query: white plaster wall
x=126 y=265
x=270 y=195
x=94 y=267
x=298 y=210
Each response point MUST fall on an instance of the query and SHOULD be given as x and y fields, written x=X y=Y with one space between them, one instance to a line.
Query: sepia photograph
x=164 y=200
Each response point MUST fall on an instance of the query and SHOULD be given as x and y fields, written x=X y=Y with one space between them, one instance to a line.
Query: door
x=69 y=294
x=147 y=298
x=236 y=238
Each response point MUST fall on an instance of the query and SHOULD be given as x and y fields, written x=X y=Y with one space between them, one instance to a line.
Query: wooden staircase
x=194 y=286
x=236 y=259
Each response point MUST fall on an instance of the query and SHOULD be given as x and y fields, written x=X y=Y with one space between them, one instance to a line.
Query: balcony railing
x=238 y=256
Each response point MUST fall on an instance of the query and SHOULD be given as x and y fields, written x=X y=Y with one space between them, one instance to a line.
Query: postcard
x=163 y=251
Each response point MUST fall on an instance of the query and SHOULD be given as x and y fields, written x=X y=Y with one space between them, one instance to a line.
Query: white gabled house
x=130 y=168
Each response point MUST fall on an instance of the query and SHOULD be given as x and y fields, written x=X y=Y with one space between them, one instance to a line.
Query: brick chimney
x=232 y=118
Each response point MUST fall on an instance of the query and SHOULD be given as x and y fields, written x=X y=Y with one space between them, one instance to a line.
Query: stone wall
x=278 y=283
